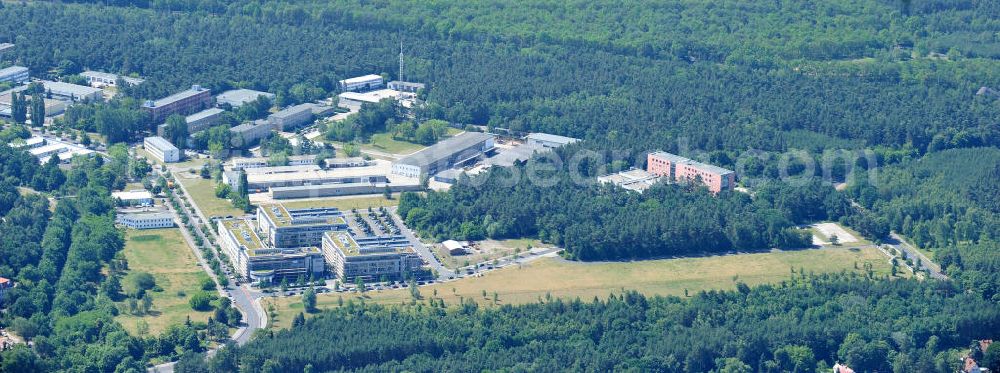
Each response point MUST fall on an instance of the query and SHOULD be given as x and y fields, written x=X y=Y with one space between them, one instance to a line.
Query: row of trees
x=805 y=324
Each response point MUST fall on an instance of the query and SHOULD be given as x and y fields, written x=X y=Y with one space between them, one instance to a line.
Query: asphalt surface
x=443 y=272
x=925 y=263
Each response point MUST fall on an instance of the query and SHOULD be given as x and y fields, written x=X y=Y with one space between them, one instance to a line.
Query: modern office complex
x=240 y=163
x=361 y=83
x=679 y=169
x=342 y=189
x=446 y=154
x=137 y=197
x=262 y=179
x=281 y=227
x=102 y=79
x=183 y=103
x=162 y=149
x=291 y=118
x=239 y=97
x=549 y=141
x=16 y=74
x=149 y=220
x=253 y=259
x=370 y=258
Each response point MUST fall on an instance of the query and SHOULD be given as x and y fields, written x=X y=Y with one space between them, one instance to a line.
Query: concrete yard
x=826 y=230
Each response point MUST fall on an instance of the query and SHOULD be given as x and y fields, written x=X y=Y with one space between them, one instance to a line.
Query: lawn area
x=565 y=279
x=359 y=203
x=484 y=251
x=164 y=254
x=203 y=193
x=384 y=142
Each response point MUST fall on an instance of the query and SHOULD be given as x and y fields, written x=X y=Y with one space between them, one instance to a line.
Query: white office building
x=361 y=83
x=103 y=79
x=136 y=197
x=162 y=149
x=146 y=220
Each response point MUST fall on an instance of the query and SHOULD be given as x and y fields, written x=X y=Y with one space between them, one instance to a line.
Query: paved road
x=424 y=252
x=925 y=263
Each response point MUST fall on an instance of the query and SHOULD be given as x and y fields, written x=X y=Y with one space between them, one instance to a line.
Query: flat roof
x=280 y=169
x=444 y=149
x=552 y=138
x=283 y=217
x=249 y=125
x=674 y=158
x=159 y=143
x=244 y=234
x=346 y=243
x=292 y=111
x=132 y=194
x=67 y=88
x=203 y=114
x=6 y=46
x=360 y=79
x=111 y=76
x=12 y=70
x=412 y=84
x=520 y=153
x=242 y=96
x=372 y=97
x=149 y=215
x=190 y=92
x=47 y=148
x=344 y=172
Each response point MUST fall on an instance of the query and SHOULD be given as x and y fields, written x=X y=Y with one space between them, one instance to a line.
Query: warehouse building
x=361 y=83
x=162 y=149
x=291 y=118
x=549 y=141
x=28 y=143
x=679 y=169
x=16 y=74
x=240 y=163
x=72 y=92
x=342 y=189
x=250 y=132
x=263 y=180
x=347 y=162
x=197 y=122
x=633 y=179
x=149 y=220
x=137 y=197
x=371 y=259
x=186 y=102
x=101 y=79
x=282 y=227
x=254 y=260
x=239 y=97
x=446 y=154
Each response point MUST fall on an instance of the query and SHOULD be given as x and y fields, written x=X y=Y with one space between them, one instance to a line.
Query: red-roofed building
x=5 y=283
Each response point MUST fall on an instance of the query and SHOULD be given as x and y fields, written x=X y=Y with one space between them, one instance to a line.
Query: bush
x=136 y=283
x=201 y=301
x=207 y=284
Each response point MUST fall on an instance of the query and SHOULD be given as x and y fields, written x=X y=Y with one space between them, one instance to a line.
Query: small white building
x=16 y=74
x=548 y=140
x=136 y=197
x=456 y=247
x=146 y=220
x=162 y=149
x=102 y=79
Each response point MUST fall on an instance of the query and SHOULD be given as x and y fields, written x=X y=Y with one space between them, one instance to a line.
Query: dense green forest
x=897 y=78
x=857 y=70
x=64 y=254
x=803 y=325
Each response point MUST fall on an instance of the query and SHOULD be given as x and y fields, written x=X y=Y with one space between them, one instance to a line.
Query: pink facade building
x=679 y=169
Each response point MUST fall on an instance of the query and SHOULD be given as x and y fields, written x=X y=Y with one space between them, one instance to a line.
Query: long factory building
x=458 y=150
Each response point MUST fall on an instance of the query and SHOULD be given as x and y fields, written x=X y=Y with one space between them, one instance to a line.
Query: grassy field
x=164 y=254
x=487 y=250
x=345 y=203
x=384 y=142
x=203 y=193
x=566 y=279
